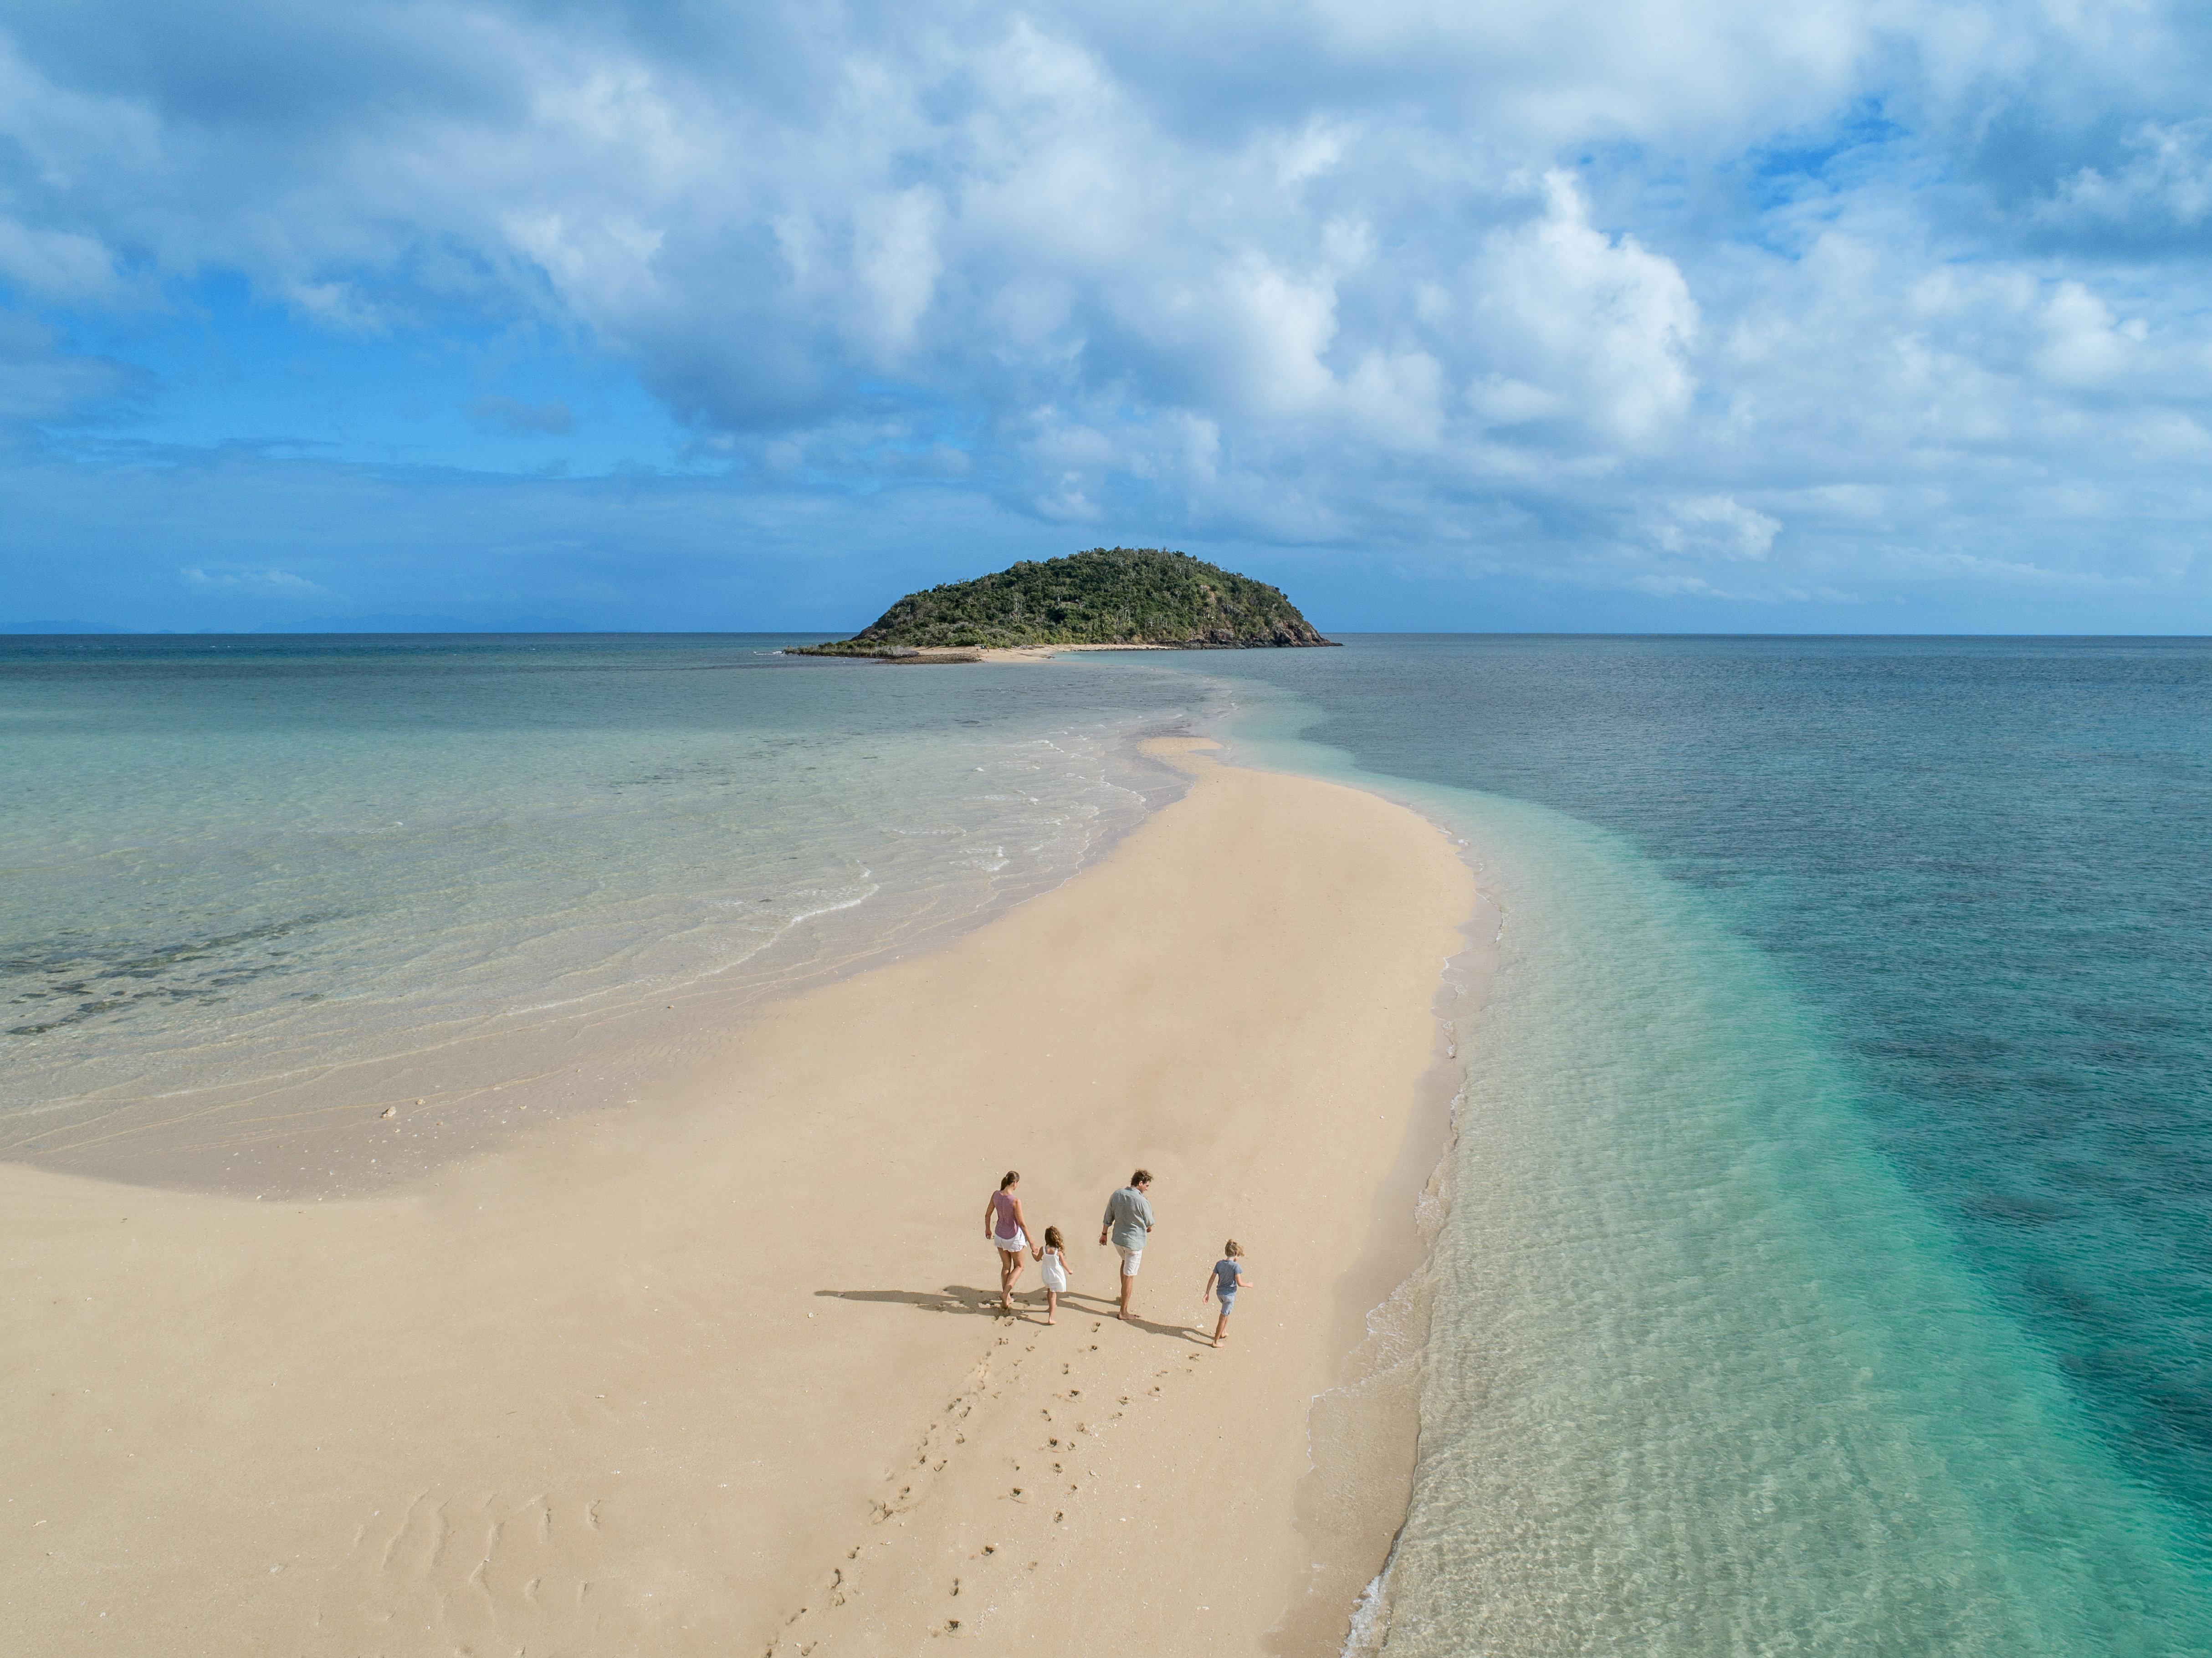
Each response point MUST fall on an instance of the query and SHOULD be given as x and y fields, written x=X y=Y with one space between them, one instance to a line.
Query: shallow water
x=1828 y=1268
x=1827 y=1271
x=241 y=870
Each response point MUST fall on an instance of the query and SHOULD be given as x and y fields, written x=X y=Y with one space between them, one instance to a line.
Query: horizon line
x=11 y=634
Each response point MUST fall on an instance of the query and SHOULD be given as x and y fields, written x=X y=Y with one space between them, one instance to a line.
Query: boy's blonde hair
x=1232 y=1249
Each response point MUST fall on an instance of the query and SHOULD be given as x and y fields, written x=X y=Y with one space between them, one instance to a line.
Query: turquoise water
x=250 y=885
x=1827 y=1271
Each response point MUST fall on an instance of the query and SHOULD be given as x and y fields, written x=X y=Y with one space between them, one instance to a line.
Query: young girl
x=1227 y=1279
x=1055 y=1269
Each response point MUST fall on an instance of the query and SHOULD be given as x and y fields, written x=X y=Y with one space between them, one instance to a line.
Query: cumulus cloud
x=1737 y=297
x=2160 y=184
x=1593 y=327
x=1709 y=527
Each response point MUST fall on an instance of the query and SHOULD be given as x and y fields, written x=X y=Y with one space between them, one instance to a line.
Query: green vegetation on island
x=1108 y=596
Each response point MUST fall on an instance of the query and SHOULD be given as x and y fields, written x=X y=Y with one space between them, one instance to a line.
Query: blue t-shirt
x=1224 y=1276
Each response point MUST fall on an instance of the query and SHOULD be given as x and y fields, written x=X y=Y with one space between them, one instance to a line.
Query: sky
x=1862 y=316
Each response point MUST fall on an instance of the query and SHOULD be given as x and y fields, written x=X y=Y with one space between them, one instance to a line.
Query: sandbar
x=720 y=1373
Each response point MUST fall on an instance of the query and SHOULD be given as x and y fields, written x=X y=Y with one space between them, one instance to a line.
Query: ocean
x=252 y=887
x=1827 y=1268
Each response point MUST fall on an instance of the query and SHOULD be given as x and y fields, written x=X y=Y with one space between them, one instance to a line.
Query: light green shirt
x=1129 y=1216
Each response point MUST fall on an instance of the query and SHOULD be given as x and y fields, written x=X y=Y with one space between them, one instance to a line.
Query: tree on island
x=1107 y=596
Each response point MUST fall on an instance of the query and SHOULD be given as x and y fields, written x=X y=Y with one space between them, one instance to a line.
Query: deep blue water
x=1975 y=870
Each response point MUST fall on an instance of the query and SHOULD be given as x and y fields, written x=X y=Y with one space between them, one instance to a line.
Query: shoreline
x=315 y=1131
x=446 y=1376
x=951 y=655
x=1363 y=1433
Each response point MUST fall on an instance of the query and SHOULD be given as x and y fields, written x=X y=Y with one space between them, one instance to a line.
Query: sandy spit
x=721 y=1376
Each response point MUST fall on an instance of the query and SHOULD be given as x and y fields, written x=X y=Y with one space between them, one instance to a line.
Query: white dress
x=1055 y=1272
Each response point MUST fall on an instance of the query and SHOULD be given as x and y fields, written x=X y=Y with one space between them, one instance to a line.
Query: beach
x=718 y=1373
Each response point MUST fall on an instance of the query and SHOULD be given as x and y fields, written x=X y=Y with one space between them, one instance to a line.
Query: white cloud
x=55 y=263
x=897 y=263
x=1615 y=289
x=1711 y=527
x=264 y=584
x=2164 y=172
x=2083 y=343
x=1397 y=402
x=1598 y=322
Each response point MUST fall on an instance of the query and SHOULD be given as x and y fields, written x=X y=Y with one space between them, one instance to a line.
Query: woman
x=1004 y=1225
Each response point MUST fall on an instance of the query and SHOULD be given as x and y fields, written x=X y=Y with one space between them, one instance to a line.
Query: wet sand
x=719 y=1373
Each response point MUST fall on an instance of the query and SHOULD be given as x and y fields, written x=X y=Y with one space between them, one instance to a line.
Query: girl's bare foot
x=1052 y=1320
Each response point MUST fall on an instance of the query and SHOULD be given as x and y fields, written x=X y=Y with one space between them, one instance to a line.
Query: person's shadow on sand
x=952 y=1298
x=962 y=1298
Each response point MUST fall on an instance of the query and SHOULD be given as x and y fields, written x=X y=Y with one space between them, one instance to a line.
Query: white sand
x=714 y=1376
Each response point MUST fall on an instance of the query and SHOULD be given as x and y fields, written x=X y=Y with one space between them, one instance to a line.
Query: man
x=1129 y=1224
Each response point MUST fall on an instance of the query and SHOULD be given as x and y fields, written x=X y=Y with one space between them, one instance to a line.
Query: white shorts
x=1020 y=1242
x=1130 y=1258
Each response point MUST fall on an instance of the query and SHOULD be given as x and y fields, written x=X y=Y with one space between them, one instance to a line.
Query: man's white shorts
x=1130 y=1257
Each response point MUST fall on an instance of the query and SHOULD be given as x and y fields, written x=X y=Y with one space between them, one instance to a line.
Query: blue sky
x=1646 y=315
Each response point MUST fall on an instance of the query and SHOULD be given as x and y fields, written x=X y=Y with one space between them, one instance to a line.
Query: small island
x=1131 y=597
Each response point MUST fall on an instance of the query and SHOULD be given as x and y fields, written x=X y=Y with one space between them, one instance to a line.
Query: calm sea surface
x=1832 y=1270
x=251 y=886
x=1829 y=1268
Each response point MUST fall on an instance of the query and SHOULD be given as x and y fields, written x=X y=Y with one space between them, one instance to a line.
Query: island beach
x=720 y=1375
